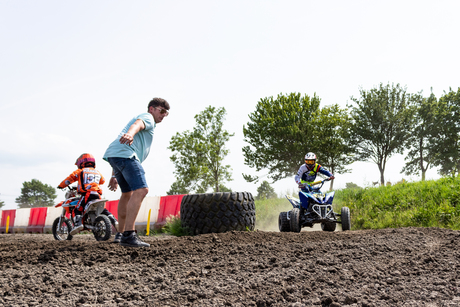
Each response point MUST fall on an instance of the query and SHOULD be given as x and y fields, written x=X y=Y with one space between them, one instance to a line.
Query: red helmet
x=85 y=158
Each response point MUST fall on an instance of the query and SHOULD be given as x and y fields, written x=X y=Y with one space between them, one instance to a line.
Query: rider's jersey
x=88 y=179
x=304 y=175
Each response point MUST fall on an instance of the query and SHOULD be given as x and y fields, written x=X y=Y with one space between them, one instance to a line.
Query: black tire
x=63 y=233
x=218 y=212
x=294 y=216
x=345 y=218
x=328 y=226
x=102 y=228
x=283 y=222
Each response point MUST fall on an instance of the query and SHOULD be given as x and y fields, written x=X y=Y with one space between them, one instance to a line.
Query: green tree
x=265 y=191
x=198 y=154
x=351 y=185
x=280 y=133
x=335 y=149
x=447 y=132
x=382 y=121
x=34 y=193
x=421 y=155
x=178 y=188
x=2 y=203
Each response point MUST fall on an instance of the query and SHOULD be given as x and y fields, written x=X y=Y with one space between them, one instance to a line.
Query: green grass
x=172 y=227
x=432 y=203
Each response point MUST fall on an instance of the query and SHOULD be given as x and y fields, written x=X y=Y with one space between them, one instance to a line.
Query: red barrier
x=37 y=220
x=112 y=206
x=5 y=214
x=169 y=206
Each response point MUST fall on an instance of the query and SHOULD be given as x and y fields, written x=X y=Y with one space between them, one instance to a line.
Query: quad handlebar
x=315 y=183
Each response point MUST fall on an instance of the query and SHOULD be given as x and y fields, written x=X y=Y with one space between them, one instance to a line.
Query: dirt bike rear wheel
x=218 y=212
x=345 y=218
x=328 y=226
x=102 y=228
x=63 y=233
x=283 y=222
x=295 y=220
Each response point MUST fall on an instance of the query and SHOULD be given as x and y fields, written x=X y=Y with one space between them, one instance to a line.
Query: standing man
x=125 y=155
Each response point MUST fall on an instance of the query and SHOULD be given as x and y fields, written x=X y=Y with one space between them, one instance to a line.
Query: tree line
x=379 y=123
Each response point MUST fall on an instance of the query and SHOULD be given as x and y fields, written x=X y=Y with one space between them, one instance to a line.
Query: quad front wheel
x=62 y=232
x=345 y=218
x=295 y=220
x=102 y=228
x=283 y=222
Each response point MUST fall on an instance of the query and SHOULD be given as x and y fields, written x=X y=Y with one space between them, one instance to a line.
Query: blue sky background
x=72 y=73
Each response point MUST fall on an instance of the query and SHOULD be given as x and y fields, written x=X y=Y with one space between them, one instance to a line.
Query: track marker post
x=7 y=223
x=148 y=224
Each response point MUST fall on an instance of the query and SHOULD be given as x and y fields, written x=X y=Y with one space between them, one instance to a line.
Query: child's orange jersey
x=88 y=179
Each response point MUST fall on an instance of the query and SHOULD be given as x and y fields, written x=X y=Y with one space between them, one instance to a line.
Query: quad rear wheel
x=328 y=226
x=283 y=222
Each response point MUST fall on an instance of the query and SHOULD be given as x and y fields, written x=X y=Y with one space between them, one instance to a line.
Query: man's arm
x=128 y=137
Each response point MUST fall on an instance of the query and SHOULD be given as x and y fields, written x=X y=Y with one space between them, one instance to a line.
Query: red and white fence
x=40 y=220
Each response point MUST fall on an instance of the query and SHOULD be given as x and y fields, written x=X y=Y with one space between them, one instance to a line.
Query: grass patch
x=432 y=203
x=173 y=227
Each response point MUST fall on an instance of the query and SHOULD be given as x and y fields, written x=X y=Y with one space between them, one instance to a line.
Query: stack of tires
x=218 y=212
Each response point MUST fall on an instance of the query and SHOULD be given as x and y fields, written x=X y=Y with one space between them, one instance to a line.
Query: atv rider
x=88 y=187
x=308 y=171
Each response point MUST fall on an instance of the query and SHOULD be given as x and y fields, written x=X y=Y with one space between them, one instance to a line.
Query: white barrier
x=21 y=221
x=51 y=214
x=149 y=203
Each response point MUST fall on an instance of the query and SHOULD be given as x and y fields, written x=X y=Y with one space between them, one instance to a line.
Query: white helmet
x=310 y=156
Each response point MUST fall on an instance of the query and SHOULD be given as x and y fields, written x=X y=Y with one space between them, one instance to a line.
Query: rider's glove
x=301 y=186
x=60 y=188
x=332 y=177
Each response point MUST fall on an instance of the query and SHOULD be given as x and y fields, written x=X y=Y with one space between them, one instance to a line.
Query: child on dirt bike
x=308 y=171
x=88 y=187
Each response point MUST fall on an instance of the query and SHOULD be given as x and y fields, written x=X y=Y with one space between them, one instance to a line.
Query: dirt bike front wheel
x=102 y=228
x=62 y=232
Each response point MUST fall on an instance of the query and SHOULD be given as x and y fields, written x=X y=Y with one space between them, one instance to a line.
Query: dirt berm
x=391 y=267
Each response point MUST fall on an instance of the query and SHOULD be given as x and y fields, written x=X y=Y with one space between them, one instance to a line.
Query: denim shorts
x=129 y=173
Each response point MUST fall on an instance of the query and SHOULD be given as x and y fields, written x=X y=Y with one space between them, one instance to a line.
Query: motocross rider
x=89 y=180
x=308 y=171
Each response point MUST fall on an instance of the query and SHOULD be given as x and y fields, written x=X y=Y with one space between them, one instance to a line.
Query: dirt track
x=392 y=267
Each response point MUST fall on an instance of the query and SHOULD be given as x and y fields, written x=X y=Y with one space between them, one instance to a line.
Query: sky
x=73 y=73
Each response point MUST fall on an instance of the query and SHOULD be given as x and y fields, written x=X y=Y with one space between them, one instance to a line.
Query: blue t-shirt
x=142 y=141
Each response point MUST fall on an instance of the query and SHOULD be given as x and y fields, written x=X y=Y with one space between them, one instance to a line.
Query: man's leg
x=133 y=205
x=122 y=209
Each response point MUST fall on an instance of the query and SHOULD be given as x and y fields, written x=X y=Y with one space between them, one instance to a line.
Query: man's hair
x=158 y=102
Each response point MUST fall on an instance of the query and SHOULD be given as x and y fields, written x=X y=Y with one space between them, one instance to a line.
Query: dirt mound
x=391 y=267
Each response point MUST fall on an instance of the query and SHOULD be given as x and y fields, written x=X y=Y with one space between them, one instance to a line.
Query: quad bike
x=93 y=218
x=314 y=207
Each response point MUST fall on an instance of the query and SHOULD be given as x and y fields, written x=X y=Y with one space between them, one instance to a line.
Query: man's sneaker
x=132 y=240
x=117 y=237
x=78 y=225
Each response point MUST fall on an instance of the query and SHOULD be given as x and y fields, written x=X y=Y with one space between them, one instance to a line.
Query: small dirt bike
x=313 y=207
x=93 y=219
